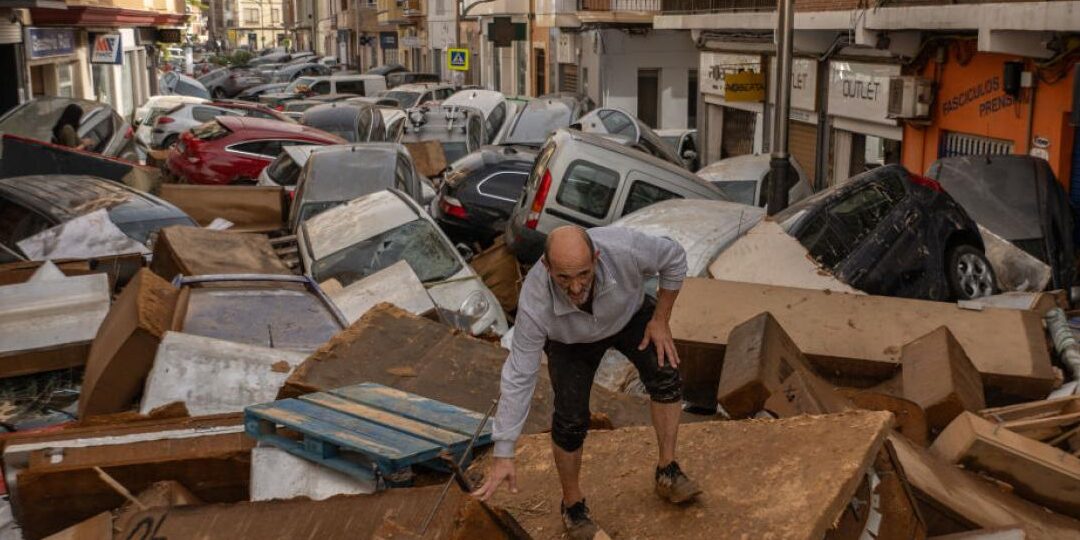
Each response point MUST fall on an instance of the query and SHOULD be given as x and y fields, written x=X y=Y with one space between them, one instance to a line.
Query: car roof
x=356 y=220
x=67 y=196
x=745 y=167
x=371 y=167
x=702 y=227
x=604 y=141
x=498 y=156
x=484 y=100
x=245 y=123
x=417 y=87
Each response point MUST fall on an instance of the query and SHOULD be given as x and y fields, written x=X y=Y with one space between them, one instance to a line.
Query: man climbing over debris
x=586 y=296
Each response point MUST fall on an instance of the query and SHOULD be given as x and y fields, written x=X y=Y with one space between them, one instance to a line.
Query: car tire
x=218 y=93
x=969 y=273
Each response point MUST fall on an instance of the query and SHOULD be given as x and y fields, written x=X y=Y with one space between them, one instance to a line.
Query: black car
x=540 y=117
x=255 y=92
x=386 y=70
x=32 y=204
x=354 y=122
x=1019 y=199
x=892 y=233
x=480 y=191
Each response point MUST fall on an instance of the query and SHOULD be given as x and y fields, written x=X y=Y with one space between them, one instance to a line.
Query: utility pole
x=780 y=162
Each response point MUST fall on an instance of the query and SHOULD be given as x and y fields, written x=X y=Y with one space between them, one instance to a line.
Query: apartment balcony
x=618 y=11
x=715 y=6
x=400 y=11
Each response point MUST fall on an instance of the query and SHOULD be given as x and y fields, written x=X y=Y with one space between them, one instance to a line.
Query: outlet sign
x=861 y=91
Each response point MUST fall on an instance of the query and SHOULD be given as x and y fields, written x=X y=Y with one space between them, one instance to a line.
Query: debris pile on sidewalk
x=224 y=396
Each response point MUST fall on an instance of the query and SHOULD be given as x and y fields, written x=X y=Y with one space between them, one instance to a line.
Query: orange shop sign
x=744 y=86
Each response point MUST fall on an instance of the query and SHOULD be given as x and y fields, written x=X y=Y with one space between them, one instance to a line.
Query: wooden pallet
x=368 y=430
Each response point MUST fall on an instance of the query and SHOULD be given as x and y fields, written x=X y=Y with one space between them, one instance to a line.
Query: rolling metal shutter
x=961 y=144
x=802 y=143
x=10 y=32
x=737 y=138
x=568 y=78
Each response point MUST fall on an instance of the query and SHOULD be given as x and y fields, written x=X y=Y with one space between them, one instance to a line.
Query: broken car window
x=416 y=242
x=588 y=188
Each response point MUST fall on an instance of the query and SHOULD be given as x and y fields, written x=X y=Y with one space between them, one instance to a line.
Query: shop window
x=104 y=91
x=65 y=85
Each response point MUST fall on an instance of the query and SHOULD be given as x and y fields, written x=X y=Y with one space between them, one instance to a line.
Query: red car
x=252 y=110
x=235 y=149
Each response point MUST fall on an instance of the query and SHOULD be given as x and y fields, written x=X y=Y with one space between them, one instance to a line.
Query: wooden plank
x=414 y=407
x=972 y=501
x=386 y=419
x=1038 y=472
x=377 y=442
x=1042 y=423
x=1029 y=409
x=939 y=377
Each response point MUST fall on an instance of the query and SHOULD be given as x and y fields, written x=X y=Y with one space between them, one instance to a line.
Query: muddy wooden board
x=788 y=478
x=972 y=502
x=50 y=471
x=392 y=347
x=193 y=251
x=249 y=208
x=856 y=335
x=396 y=513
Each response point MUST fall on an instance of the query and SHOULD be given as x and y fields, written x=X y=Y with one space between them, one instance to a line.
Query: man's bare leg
x=569 y=466
x=665 y=419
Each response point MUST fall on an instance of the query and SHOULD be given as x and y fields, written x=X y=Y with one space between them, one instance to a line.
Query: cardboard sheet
x=193 y=251
x=89 y=235
x=249 y=208
x=396 y=284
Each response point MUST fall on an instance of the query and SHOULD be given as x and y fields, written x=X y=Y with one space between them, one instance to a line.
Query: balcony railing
x=619 y=5
x=706 y=6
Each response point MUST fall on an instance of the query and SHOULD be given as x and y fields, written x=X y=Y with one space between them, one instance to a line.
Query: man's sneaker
x=579 y=524
x=673 y=485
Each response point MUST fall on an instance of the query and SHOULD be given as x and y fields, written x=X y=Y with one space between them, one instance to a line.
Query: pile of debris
x=224 y=396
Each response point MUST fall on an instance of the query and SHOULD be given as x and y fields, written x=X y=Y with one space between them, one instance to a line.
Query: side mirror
x=466 y=252
x=689 y=155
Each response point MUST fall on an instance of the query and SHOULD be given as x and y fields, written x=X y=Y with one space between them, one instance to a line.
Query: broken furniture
x=368 y=431
x=795 y=478
x=48 y=322
x=192 y=251
x=53 y=484
x=855 y=338
x=938 y=376
x=249 y=208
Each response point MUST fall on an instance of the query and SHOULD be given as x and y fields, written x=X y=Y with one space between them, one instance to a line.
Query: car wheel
x=218 y=93
x=969 y=273
x=169 y=142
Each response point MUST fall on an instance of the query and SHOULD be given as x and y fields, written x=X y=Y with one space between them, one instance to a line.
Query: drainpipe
x=1064 y=343
x=780 y=162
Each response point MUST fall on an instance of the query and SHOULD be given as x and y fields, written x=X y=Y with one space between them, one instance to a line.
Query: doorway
x=540 y=68
x=691 y=99
x=648 y=92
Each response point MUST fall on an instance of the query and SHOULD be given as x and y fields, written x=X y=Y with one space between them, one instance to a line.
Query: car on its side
x=890 y=232
x=412 y=95
x=619 y=123
x=373 y=232
x=32 y=204
x=336 y=175
x=1019 y=199
x=539 y=118
x=480 y=190
x=460 y=130
x=746 y=179
x=228 y=82
x=354 y=122
x=491 y=104
x=109 y=134
x=588 y=180
x=234 y=149
x=177 y=83
x=685 y=145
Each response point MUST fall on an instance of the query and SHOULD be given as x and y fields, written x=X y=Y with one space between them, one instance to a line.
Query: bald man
x=586 y=296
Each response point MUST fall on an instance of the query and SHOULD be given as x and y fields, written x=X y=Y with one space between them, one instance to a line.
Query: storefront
x=56 y=62
x=862 y=135
x=118 y=70
x=505 y=57
x=803 y=117
x=977 y=110
x=732 y=124
x=388 y=43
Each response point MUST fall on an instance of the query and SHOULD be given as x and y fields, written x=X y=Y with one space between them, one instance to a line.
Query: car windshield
x=417 y=242
x=405 y=99
x=343 y=125
x=535 y=125
x=306 y=81
x=454 y=150
x=740 y=191
x=284 y=171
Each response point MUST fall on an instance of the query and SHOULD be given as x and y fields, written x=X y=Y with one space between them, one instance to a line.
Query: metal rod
x=456 y=467
x=779 y=164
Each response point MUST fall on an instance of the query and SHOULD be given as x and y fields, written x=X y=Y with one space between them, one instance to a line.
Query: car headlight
x=475 y=305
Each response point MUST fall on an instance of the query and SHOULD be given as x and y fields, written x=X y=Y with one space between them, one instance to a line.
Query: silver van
x=589 y=180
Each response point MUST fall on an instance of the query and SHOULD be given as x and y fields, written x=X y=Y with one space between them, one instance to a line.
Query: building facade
x=256 y=24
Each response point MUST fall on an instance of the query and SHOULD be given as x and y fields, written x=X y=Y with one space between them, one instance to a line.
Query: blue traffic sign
x=457 y=59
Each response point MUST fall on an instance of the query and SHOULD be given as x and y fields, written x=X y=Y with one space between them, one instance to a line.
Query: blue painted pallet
x=368 y=430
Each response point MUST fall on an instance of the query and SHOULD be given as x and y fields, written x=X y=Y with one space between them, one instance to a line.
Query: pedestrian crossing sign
x=457 y=59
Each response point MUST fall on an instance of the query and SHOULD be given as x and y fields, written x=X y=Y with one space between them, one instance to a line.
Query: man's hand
x=502 y=470
x=658 y=333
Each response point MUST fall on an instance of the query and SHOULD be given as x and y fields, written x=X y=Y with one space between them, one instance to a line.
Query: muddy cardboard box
x=794 y=478
x=395 y=348
x=124 y=348
x=53 y=483
x=192 y=251
x=938 y=376
x=855 y=337
x=248 y=208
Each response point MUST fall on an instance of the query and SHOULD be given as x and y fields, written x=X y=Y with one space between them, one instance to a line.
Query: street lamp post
x=780 y=160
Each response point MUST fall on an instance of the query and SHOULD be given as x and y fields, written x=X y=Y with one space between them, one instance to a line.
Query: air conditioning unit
x=910 y=97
